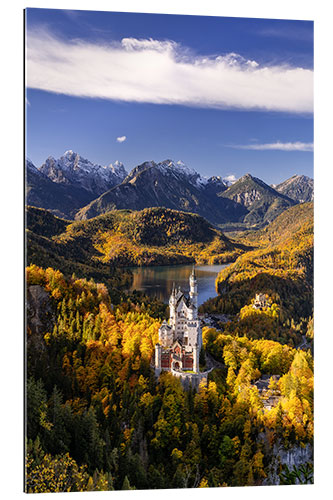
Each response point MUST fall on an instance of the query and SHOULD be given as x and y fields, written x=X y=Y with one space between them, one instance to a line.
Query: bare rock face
x=294 y=456
x=247 y=198
x=40 y=316
x=63 y=199
x=74 y=170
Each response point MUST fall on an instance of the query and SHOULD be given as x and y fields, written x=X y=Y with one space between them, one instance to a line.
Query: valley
x=169 y=252
x=98 y=281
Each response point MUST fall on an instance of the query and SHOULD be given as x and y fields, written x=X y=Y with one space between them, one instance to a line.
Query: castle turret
x=158 y=353
x=196 y=359
x=194 y=292
x=172 y=306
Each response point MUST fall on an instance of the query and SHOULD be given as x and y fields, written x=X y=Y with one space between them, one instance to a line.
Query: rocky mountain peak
x=298 y=187
x=138 y=169
x=73 y=169
x=246 y=177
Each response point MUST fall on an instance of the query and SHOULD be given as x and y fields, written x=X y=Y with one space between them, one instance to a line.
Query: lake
x=157 y=281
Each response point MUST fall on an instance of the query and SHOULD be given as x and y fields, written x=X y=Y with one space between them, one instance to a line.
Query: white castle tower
x=194 y=292
x=172 y=307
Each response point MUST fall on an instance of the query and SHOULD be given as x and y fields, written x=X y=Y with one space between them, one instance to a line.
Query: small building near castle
x=180 y=338
x=260 y=301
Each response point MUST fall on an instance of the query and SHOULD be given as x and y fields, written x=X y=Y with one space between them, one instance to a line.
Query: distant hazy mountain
x=298 y=188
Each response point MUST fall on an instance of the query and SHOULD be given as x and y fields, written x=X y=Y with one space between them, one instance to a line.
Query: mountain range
x=170 y=185
x=75 y=188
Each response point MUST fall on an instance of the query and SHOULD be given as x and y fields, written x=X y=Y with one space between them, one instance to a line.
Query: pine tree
x=126 y=484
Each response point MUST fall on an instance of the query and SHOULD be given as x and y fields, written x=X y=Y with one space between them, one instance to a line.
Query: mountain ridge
x=73 y=169
x=169 y=185
x=75 y=188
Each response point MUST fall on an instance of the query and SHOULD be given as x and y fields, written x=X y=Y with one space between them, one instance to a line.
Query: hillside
x=101 y=245
x=98 y=418
x=43 y=249
x=282 y=228
x=281 y=266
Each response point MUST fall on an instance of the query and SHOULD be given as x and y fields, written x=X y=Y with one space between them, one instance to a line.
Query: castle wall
x=188 y=362
x=191 y=379
x=166 y=360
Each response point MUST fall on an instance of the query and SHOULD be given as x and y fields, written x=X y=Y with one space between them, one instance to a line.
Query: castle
x=180 y=339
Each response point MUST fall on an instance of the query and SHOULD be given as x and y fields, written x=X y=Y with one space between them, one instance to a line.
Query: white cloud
x=230 y=179
x=121 y=138
x=163 y=72
x=278 y=146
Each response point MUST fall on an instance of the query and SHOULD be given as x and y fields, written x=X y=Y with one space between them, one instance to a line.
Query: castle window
x=185 y=340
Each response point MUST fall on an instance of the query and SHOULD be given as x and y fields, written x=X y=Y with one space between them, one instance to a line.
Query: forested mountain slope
x=281 y=266
x=77 y=256
x=125 y=238
x=97 y=418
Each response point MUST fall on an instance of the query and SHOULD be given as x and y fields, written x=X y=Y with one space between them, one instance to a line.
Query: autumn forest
x=97 y=416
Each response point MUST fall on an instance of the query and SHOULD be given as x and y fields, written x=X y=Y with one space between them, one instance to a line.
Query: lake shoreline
x=157 y=281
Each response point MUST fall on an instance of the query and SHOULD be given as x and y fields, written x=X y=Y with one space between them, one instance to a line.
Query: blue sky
x=225 y=95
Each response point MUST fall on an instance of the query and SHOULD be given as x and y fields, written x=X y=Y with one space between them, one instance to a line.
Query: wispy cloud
x=278 y=146
x=121 y=138
x=163 y=72
x=301 y=33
